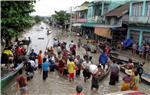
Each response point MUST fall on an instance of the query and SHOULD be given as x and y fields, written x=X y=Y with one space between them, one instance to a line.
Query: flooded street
x=56 y=85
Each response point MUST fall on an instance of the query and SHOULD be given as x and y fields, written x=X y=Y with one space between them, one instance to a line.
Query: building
x=79 y=16
x=96 y=9
x=98 y=23
x=119 y=17
x=106 y=24
x=139 y=22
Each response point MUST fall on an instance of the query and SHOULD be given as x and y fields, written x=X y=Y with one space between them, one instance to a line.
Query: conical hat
x=129 y=72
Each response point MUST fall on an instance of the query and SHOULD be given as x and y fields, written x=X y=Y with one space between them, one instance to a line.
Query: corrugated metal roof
x=119 y=11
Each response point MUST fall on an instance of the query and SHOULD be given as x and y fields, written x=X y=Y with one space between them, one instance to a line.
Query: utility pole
x=70 y=20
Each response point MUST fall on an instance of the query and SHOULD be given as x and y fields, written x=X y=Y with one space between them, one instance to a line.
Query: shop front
x=140 y=35
x=88 y=29
x=103 y=34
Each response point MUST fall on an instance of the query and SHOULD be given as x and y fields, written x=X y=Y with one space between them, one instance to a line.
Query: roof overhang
x=107 y=26
x=76 y=24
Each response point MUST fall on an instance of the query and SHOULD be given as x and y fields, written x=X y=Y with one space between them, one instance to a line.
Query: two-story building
x=118 y=16
x=96 y=9
x=101 y=20
x=139 y=22
x=79 y=16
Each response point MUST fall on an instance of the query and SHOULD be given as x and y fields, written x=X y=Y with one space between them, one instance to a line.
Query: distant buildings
x=98 y=23
x=113 y=21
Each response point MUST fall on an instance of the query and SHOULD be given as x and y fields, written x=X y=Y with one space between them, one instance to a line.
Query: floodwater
x=56 y=85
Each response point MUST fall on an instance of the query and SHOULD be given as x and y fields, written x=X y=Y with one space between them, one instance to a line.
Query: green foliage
x=61 y=17
x=38 y=18
x=15 y=17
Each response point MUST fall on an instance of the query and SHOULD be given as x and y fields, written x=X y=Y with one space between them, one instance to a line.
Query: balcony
x=95 y=19
x=80 y=20
x=140 y=20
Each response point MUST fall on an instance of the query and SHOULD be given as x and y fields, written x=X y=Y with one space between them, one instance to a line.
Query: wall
x=113 y=21
x=142 y=20
x=139 y=12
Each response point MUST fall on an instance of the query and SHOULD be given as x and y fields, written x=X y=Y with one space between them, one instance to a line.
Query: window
x=140 y=10
x=134 y=12
x=148 y=9
x=137 y=9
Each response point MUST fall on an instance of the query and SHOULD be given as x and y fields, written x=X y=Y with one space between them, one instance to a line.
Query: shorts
x=71 y=75
x=86 y=73
x=39 y=66
x=23 y=90
x=95 y=86
x=58 y=53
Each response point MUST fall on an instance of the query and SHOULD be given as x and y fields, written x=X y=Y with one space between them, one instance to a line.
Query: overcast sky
x=48 y=7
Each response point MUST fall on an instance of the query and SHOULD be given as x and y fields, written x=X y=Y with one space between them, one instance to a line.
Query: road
x=56 y=85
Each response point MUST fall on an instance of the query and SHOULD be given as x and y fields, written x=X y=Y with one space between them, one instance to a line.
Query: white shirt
x=86 y=64
x=71 y=45
x=55 y=42
x=32 y=63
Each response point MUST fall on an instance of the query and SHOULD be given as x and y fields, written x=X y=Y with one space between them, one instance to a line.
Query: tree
x=61 y=17
x=37 y=19
x=15 y=16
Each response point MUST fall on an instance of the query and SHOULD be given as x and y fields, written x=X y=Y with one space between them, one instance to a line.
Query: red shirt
x=61 y=64
x=78 y=94
x=20 y=51
x=39 y=58
x=21 y=80
x=107 y=50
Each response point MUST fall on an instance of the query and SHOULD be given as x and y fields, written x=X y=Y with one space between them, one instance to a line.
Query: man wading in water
x=22 y=84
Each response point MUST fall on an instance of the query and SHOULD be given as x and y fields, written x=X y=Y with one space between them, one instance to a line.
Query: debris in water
x=41 y=38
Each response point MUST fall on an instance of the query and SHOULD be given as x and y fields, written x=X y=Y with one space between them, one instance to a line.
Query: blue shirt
x=33 y=54
x=103 y=58
x=45 y=66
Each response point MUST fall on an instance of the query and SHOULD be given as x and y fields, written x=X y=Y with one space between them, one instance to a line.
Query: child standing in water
x=71 y=69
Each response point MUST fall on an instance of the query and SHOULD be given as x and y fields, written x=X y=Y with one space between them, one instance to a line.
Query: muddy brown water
x=56 y=85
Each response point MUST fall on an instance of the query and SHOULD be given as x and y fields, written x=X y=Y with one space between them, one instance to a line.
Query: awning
x=119 y=29
x=77 y=24
x=88 y=24
x=104 y=32
x=96 y=25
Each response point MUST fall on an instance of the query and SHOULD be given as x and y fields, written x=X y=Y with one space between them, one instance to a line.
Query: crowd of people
x=70 y=65
x=66 y=62
x=143 y=51
x=13 y=55
x=133 y=75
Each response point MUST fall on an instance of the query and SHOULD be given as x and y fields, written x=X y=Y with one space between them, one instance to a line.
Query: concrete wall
x=142 y=20
x=113 y=21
